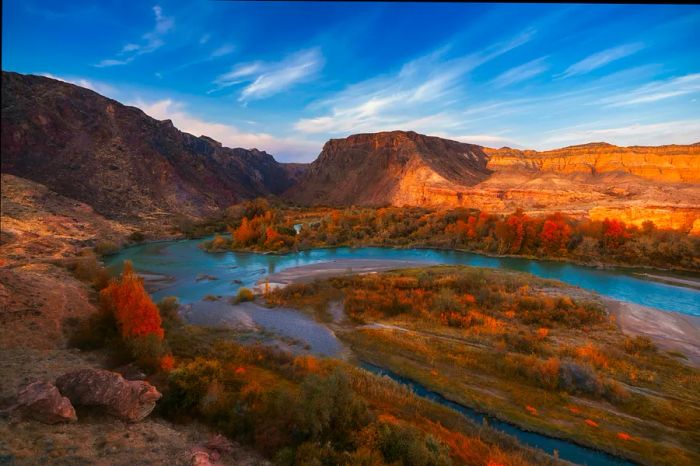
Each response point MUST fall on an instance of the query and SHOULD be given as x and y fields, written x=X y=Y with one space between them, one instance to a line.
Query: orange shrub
x=135 y=313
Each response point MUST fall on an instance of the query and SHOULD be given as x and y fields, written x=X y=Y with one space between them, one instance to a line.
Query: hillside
x=399 y=168
x=125 y=164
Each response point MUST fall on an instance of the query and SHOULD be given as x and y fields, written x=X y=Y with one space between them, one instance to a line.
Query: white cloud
x=269 y=78
x=670 y=132
x=600 y=59
x=151 y=41
x=99 y=87
x=656 y=91
x=224 y=50
x=521 y=73
x=204 y=39
x=417 y=97
x=284 y=149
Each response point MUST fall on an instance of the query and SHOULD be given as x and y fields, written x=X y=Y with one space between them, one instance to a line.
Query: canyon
x=595 y=180
x=145 y=173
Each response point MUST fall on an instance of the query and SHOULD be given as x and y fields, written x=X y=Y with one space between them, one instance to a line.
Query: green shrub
x=106 y=248
x=136 y=237
x=405 y=444
x=639 y=344
x=169 y=312
x=244 y=295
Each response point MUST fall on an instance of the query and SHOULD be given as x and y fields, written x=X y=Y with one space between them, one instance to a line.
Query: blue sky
x=285 y=77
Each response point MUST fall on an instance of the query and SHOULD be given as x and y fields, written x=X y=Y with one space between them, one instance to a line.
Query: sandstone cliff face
x=594 y=180
x=673 y=163
x=400 y=168
x=119 y=160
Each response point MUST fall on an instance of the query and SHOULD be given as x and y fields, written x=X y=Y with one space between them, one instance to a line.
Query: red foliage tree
x=614 y=233
x=246 y=233
x=555 y=233
x=135 y=313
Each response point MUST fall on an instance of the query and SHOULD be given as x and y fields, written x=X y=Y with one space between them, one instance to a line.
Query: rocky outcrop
x=122 y=162
x=397 y=167
x=684 y=218
x=672 y=163
x=42 y=402
x=594 y=180
x=128 y=400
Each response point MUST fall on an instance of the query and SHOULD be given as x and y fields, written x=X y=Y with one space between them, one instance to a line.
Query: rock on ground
x=130 y=400
x=42 y=402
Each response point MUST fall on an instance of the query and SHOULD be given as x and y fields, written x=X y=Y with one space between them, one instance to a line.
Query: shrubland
x=531 y=351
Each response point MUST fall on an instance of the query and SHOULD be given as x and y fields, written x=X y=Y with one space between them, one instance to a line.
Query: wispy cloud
x=602 y=58
x=521 y=73
x=283 y=149
x=655 y=91
x=151 y=41
x=222 y=51
x=670 y=132
x=266 y=79
x=414 y=98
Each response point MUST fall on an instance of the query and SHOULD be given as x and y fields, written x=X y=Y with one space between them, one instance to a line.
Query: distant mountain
x=119 y=160
x=397 y=167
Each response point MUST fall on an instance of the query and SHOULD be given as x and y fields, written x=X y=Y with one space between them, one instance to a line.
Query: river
x=194 y=274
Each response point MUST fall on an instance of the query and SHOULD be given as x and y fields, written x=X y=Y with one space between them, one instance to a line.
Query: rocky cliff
x=595 y=180
x=398 y=167
x=672 y=163
x=122 y=162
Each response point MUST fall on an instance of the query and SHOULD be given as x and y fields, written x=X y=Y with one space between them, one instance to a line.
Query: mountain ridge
x=57 y=134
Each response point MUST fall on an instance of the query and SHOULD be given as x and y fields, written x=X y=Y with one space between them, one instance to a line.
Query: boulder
x=200 y=458
x=43 y=402
x=130 y=400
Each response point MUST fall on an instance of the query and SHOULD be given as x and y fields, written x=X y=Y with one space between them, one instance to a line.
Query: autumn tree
x=137 y=317
x=555 y=233
x=246 y=233
x=614 y=234
x=133 y=309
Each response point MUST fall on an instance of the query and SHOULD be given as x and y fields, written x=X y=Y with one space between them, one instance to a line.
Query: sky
x=285 y=77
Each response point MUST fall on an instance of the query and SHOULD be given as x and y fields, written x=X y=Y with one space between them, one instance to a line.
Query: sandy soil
x=689 y=282
x=671 y=331
x=311 y=272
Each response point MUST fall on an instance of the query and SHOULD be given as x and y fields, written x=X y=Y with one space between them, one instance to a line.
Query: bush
x=136 y=237
x=169 y=308
x=639 y=344
x=405 y=444
x=89 y=269
x=576 y=378
x=106 y=248
x=244 y=295
x=189 y=383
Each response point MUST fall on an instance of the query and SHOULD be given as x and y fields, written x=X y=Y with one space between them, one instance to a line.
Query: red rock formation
x=128 y=400
x=42 y=402
x=400 y=168
x=673 y=163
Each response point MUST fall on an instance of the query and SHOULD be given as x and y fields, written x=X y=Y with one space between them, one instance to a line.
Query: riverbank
x=335 y=268
x=670 y=331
